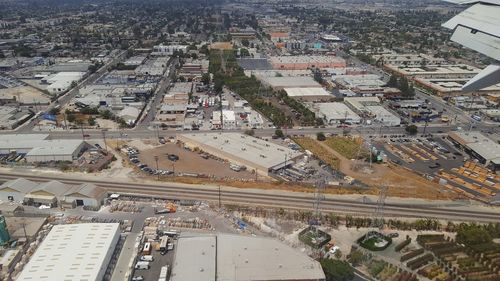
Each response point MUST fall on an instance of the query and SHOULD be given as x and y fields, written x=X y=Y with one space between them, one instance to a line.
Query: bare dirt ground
x=400 y=182
x=190 y=162
x=25 y=94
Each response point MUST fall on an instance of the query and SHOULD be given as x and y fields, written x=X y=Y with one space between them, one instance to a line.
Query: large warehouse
x=73 y=252
x=336 y=112
x=37 y=148
x=228 y=257
x=256 y=154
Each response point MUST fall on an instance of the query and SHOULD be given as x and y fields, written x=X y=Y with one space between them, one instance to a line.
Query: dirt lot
x=25 y=94
x=190 y=162
x=400 y=181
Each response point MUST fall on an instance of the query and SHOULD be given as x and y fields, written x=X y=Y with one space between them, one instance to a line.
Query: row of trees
x=402 y=84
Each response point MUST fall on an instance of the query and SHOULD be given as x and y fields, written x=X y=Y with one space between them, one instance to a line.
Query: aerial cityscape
x=249 y=140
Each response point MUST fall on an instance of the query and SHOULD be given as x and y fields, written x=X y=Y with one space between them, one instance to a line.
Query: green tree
x=356 y=257
x=320 y=136
x=336 y=270
x=245 y=42
x=393 y=81
x=411 y=129
x=472 y=235
x=244 y=52
x=71 y=118
x=250 y=132
x=318 y=77
x=91 y=121
x=205 y=78
x=279 y=133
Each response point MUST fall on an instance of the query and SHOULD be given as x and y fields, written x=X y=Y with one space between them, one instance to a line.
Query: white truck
x=163 y=273
x=147 y=258
x=142 y=265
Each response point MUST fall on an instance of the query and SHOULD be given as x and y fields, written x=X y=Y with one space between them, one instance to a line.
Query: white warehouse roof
x=336 y=111
x=306 y=92
x=73 y=252
x=228 y=257
x=195 y=259
x=259 y=152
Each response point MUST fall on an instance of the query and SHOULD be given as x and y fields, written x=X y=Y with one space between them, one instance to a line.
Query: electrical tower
x=318 y=197
x=378 y=216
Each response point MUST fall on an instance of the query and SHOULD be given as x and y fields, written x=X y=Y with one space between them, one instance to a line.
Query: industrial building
x=262 y=156
x=37 y=148
x=370 y=109
x=11 y=117
x=306 y=62
x=62 y=81
x=443 y=80
x=478 y=146
x=52 y=193
x=280 y=83
x=335 y=113
x=308 y=93
x=73 y=252
x=228 y=257
x=370 y=84
x=395 y=59
x=15 y=190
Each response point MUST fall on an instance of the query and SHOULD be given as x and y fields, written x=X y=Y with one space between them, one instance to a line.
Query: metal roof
x=72 y=252
x=20 y=184
x=195 y=259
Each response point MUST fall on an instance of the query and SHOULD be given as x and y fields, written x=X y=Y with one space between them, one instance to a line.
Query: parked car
x=173 y=157
x=138 y=278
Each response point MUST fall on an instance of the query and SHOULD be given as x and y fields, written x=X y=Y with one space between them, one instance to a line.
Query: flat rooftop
x=307 y=92
x=251 y=149
x=228 y=257
x=195 y=259
x=479 y=143
x=72 y=252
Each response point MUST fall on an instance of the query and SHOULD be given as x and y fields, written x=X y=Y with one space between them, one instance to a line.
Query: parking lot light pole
x=157 y=173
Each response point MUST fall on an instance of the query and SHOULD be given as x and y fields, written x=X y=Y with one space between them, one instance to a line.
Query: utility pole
x=104 y=139
x=156 y=160
x=219 y=197
x=318 y=196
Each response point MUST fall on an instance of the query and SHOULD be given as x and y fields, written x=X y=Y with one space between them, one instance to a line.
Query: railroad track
x=292 y=200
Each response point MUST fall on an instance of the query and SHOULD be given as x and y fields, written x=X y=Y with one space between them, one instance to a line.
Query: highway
x=274 y=199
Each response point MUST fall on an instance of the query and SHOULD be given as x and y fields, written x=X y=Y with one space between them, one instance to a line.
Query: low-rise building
x=335 y=113
x=306 y=62
x=370 y=109
x=478 y=146
x=73 y=252
x=227 y=257
x=168 y=50
x=262 y=156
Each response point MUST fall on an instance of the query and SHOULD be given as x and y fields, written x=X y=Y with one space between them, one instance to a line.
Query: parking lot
x=175 y=159
x=425 y=155
x=158 y=262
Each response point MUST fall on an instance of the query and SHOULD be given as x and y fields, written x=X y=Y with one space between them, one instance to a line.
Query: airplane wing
x=478 y=28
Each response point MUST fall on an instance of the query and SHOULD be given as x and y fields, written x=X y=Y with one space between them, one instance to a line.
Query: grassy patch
x=318 y=151
x=348 y=147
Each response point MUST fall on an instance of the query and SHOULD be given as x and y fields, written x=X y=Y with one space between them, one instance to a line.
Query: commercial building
x=368 y=84
x=228 y=119
x=370 y=109
x=306 y=62
x=335 y=113
x=168 y=50
x=37 y=148
x=262 y=156
x=227 y=257
x=395 y=59
x=152 y=67
x=443 y=80
x=73 y=252
x=478 y=146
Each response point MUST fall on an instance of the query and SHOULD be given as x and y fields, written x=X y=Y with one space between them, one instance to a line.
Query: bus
x=147 y=249
x=163 y=244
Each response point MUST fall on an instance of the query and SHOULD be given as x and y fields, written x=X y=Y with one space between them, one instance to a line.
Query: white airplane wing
x=478 y=28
